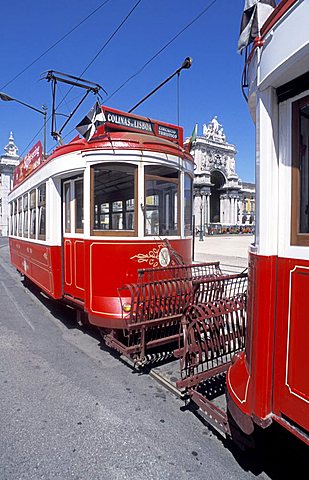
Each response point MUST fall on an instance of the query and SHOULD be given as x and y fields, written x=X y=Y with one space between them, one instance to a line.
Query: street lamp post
x=201 y=220
x=203 y=192
x=7 y=98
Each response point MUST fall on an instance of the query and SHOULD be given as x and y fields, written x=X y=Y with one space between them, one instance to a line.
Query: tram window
x=26 y=216
x=67 y=207
x=188 y=204
x=117 y=215
x=300 y=173
x=33 y=214
x=20 y=216
x=15 y=218
x=42 y=211
x=161 y=200
x=12 y=218
x=130 y=214
x=79 y=205
x=104 y=216
x=113 y=193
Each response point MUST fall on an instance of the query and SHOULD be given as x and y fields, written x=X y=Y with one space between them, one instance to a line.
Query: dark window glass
x=300 y=172
x=304 y=168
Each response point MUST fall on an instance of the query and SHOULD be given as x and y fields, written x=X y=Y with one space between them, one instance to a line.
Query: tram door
x=73 y=238
x=292 y=325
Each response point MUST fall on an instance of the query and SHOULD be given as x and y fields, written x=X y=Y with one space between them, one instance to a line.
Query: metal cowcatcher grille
x=213 y=327
x=212 y=331
x=157 y=301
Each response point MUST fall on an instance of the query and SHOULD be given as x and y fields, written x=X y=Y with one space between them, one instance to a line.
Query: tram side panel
x=270 y=380
x=40 y=263
x=74 y=267
x=250 y=378
x=291 y=395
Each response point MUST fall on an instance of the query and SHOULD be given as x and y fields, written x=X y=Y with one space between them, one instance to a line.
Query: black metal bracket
x=55 y=77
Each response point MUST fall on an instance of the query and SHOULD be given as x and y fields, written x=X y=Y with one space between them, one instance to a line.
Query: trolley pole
x=185 y=65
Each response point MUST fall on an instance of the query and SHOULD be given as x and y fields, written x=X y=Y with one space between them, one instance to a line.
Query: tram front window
x=113 y=198
x=161 y=201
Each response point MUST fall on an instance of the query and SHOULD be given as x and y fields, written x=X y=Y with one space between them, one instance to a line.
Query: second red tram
x=268 y=379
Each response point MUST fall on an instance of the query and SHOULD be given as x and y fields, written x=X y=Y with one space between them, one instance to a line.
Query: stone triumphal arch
x=220 y=197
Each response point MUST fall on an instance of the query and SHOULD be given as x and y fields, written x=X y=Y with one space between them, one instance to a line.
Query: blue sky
x=211 y=87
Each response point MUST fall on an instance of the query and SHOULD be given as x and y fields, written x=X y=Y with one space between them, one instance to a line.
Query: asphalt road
x=70 y=409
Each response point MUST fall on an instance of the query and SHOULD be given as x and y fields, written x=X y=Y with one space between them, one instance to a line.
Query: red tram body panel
x=41 y=264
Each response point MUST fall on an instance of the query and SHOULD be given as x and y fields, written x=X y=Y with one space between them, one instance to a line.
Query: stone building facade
x=8 y=161
x=221 y=200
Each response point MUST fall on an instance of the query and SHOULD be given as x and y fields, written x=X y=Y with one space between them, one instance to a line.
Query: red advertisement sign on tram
x=32 y=160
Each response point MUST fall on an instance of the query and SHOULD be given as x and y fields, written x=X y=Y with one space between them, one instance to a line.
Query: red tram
x=269 y=379
x=84 y=220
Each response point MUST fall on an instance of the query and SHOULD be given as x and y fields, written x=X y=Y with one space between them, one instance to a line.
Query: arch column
x=232 y=218
x=222 y=209
x=235 y=210
x=207 y=205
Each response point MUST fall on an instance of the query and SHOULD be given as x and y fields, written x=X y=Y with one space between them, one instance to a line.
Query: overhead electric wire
x=162 y=49
x=114 y=33
x=94 y=58
x=111 y=37
x=158 y=53
x=102 y=48
x=55 y=44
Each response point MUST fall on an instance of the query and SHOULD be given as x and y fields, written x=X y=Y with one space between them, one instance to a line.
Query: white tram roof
x=281 y=52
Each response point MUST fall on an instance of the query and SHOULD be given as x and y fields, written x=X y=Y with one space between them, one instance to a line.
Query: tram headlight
x=126 y=307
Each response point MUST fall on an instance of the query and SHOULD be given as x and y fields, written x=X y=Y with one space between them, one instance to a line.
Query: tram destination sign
x=118 y=120
x=31 y=161
x=168 y=132
x=128 y=122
